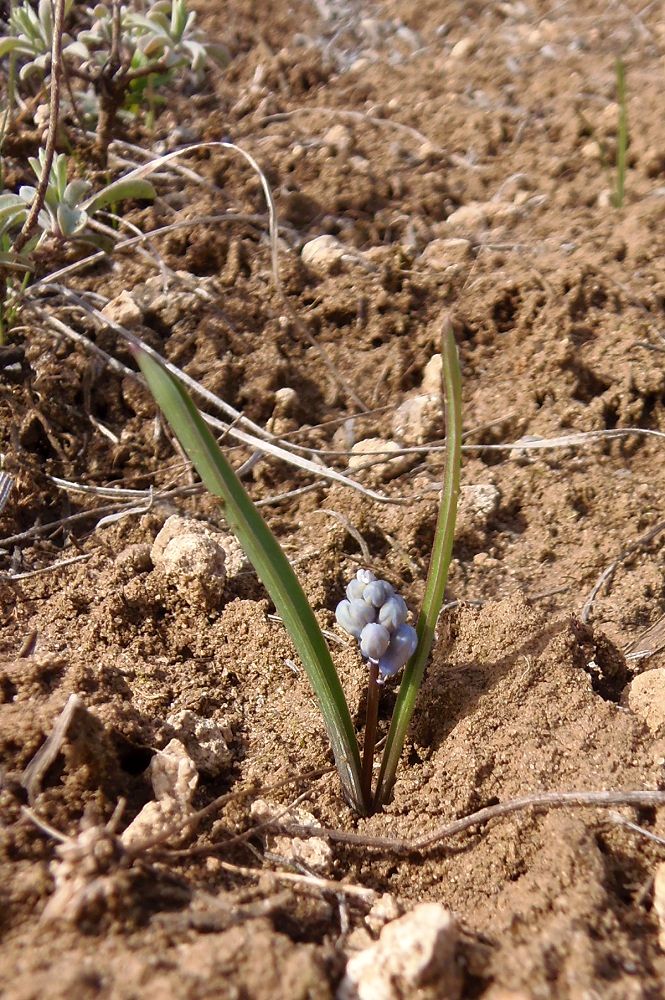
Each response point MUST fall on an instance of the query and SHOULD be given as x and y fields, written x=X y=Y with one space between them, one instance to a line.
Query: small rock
x=382 y=912
x=440 y=253
x=419 y=418
x=187 y=553
x=339 y=140
x=174 y=779
x=432 y=375
x=604 y=199
x=206 y=742
x=381 y=465
x=414 y=956
x=469 y=216
x=591 y=150
x=645 y=696
x=477 y=504
x=659 y=901
x=124 y=311
x=463 y=48
x=182 y=135
x=323 y=254
x=314 y=852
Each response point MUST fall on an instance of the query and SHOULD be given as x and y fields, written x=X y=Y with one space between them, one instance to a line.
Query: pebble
x=432 y=375
x=339 y=139
x=477 y=504
x=419 y=419
x=381 y=466
x=463 y=48
x=440 y=253
x=414 y=956
x=124 y=311
x=189 y=555
x=645 y=696
x=323 y=254
x=174 y=778
x=468 y=216
x=314 y=852
x=205 y=741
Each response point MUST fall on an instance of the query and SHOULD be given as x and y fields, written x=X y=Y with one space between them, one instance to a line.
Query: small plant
x=122 y=54
x=622 y=136
x=65 y=216
x=371 y=612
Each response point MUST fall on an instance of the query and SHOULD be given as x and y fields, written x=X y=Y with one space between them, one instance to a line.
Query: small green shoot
x=274 y=570
x=622 y=136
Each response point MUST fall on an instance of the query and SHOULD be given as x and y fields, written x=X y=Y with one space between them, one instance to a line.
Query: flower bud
x=355 y=589
x=402 y=647
x=374 y=641
x=377 y=592
x=393 y=613
x=354 y=615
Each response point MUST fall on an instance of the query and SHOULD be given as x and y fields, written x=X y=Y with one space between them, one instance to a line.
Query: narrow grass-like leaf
x=438 y=570
x=272 y=567
x=622 y=136
x=117 y=191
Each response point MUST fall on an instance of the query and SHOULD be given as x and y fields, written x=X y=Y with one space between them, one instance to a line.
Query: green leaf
x=272 y=567
x=8 y=45
x=119 y=190
x=438 y=570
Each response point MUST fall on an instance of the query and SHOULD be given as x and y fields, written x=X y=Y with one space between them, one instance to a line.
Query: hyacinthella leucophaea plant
x=376 y=616
x=386 y=640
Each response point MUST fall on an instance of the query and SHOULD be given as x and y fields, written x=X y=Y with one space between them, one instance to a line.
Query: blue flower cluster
x=376 y=616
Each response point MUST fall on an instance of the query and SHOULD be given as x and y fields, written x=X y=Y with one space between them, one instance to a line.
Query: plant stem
x=371 y=718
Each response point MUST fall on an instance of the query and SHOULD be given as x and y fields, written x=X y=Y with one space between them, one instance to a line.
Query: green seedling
x=372 y=612
x=622 y=136
x=65 y=216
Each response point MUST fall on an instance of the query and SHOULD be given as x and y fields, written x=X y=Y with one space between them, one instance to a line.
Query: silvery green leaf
x=26 y=193
x=8 y=45
x=374 y=641
x=70 y=220
x=75 y=191
x=394 y=612
x=77 y=49
x=139 y=190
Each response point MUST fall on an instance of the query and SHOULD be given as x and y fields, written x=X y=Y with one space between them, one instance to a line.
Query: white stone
x=463 y=48
x=374 y=454
x=414 y=956
x=174 y=778
x=432 y=375
x=323 y=254
x=124 y=311
x=314 y=852
x=419 y=418
x=441 y=253
x=469 y=216
x=645 y=696
x=205 y=741
x=339 y=139
x=189 y=555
